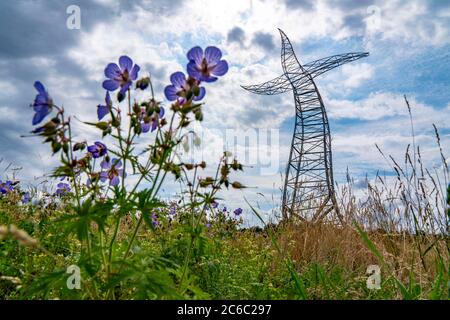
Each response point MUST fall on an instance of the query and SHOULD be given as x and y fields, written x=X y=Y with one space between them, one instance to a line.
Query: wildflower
x=214 y=204
x=182 y=87
x=151 y=122
x=208 y=225
x=62 y=189
x=112 y=172
x=104 y=110
x=138 y=214
x=155 y=222
x=122 y=76
x=98 y=149
x=173 y=211
x=238 y=211
x=26 y=197
x=7 y=186
x=204 y=67
x=42 y=103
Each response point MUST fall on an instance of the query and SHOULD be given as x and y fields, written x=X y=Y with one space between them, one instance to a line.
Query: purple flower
x=238 y=211
x=173 y=211
x=104 y=110
x=62 y=189
x=151 y=122
x=42 y=103
x=112 y=171
x=181 y=86
x=6 y=187
x=122 y=76
x=204 y=67
x=98 y=149
x=155 y=222
x=214 y=204
x=26 y=197
x=208 y=225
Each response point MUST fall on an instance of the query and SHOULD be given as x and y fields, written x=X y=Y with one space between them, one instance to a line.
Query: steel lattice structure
x=309 y=187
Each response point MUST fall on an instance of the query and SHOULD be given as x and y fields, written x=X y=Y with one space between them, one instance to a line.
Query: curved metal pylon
x=309 y=186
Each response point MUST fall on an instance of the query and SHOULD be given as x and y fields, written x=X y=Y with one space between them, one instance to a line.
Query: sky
x=408 y=41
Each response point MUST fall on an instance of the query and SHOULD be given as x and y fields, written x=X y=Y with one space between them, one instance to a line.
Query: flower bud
x=189 y=166
x=143 y=83
x=79 y=146
x=237 y=185
x=102 y=125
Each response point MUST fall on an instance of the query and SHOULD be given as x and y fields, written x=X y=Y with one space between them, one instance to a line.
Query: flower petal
x=171 y=93
x=39 y=87
x=102 y=111
x=208 y=78
x=195 y=54
x=125 y=62
x=117 y=163
x=125 y=87
x=161 y=112
x=220 y=69
x=103 y=176
x=201 y=94
x=213 y=55
x=178 y=79
x=110 y=85
x=100 y=144
x=122 y=173
x=93 y=148
x=41 y=100
x=114 y=181
x=105 y=164
x=193 y=71
x=154 y=125
x=112 y=70
x=38 y=117
x=134 y=72
x=145 y=127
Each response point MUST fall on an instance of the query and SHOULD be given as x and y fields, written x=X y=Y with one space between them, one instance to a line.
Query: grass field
x=218 y=260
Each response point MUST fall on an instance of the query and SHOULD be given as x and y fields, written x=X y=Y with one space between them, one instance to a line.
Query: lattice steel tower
x=309 y=187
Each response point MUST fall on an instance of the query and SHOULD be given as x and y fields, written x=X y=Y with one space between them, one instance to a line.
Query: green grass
x=227 y=263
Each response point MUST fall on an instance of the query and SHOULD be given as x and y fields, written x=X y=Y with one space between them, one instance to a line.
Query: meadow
x=98 y=237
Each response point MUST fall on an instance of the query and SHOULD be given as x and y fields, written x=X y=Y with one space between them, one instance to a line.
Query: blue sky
x=408 y=41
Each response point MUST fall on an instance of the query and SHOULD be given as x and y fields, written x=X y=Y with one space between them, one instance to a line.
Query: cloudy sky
x=408 y=41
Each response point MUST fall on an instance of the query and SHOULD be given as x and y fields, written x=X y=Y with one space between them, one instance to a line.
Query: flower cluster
x=154 y=218
x=26 y=197
x=62 y=189
x=6 y=186
x=148 y=116
x=202 y=67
